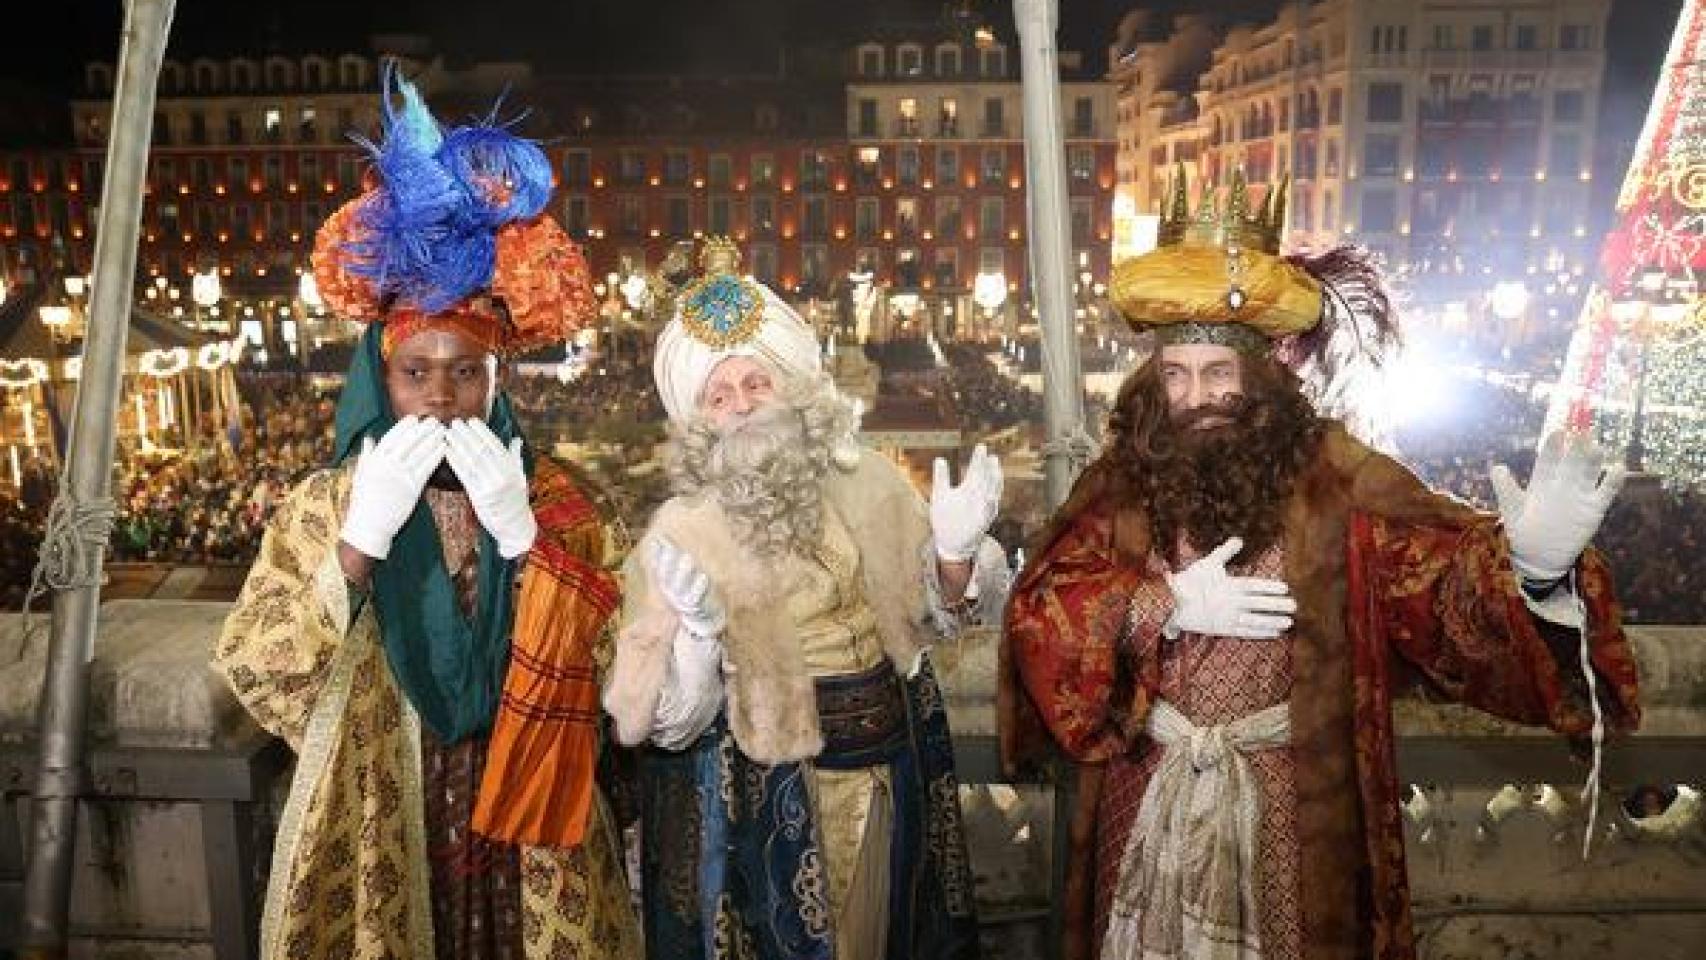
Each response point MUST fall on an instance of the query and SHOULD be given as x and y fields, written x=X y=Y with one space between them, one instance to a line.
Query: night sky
x=46 y=41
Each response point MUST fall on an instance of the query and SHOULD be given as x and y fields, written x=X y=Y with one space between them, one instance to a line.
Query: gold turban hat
x=1216 y=275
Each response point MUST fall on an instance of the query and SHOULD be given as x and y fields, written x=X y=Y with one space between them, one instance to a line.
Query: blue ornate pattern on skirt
x=732 y=861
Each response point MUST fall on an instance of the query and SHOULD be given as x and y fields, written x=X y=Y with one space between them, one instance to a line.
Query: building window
x=870 y=63
x=677 y=167
x=994 y=163
x=763 y=171
x=1385 y=102
x=1481 y=37
x=1569 y=106
x=1433 y=155
x=719 y=170
x=1083 y=219
x=1566 y=153
x=867 y=168
x=308 y=126
x=237 y=171
x=1379 y=211
x=763 y=220
x=577 y=168
x=273 y=173
x=947 y=165
x=764 y=263
x=272 y=125
x=1443 y=38
x=1575 y=36
x=947 y=269
x=992 y=216
x=198 y=128
x=947 y=61
x=1083 y=117
x=631 y=168
x=814 y=170
x=948 y=118
x=994 y=117
x=906 y=268
x=867 y=117
x=719 y=218
x=162 y=129
x=911 y=62
x=994 y=62
x=906 y=218
x=816 y=218
x=678 y=217
x=630 y=216
x=991 y=260
x=947 y=218
x=576 y=217
x=814 y=267
x=906 y=166
x=1380 y=155
x=201 y=173
x=1081 y=164
x=906 y=125
x=1527 y=37
x=1335 y=107
x=865 y=217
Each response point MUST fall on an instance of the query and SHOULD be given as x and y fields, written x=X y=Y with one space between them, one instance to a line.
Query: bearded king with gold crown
x=1216 y=621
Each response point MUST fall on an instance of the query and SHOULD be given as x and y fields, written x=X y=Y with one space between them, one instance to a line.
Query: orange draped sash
x=539 y=780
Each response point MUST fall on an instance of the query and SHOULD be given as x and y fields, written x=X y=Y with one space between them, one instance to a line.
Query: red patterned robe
x=1396 y=586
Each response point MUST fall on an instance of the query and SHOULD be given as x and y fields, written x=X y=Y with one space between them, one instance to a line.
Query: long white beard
x=766 y=471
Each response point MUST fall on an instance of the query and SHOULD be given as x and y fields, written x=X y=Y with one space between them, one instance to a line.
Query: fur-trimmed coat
x=772 y=708
x=1396 y=586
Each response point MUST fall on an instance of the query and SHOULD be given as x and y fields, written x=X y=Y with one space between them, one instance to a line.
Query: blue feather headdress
x=428 y=233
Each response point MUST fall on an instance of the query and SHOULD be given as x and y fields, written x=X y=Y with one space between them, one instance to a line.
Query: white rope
x=1591 y=788
x=71 y=551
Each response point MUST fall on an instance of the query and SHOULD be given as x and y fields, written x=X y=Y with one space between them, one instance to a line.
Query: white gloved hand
x=496 y=482
x=1209 y=600
x=1550 y=523
x=960 y=516
x=687 y=590
x=388 y=481
x=692 y=694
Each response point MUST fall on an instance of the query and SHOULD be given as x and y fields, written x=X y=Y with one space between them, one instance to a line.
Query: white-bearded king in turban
x=779 y=610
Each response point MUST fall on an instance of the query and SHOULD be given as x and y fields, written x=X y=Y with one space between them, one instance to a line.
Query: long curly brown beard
x=1203 y=486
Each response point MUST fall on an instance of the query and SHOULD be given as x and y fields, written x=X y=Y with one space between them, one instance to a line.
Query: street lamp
x=308 y=291
x=204 y=292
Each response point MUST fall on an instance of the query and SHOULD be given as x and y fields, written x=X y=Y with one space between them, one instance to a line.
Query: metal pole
x=87 y=484
x=1068 y=447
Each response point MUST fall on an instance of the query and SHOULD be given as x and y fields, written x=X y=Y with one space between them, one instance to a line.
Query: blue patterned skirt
x=732 y=863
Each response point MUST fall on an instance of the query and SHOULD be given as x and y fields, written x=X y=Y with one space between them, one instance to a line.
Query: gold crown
x=1234 y=227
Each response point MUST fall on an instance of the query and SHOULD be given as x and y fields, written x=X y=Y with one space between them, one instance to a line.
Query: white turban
x=687 y=349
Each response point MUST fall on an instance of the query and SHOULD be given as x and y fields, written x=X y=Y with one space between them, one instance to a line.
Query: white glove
x=960 y=516
x=687 y=590
x=388 y=481
x=692 y=693
x=1550 y=523
x=1209 y=600
x=496 y=483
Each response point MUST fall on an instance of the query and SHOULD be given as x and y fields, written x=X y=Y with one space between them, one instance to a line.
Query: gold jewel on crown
x=1232 y=227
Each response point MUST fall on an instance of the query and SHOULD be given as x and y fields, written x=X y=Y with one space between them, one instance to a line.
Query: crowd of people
x=209 y=505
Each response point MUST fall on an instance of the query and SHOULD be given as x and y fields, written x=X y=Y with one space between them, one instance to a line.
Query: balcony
x=1492 y=818
x=906 y=127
